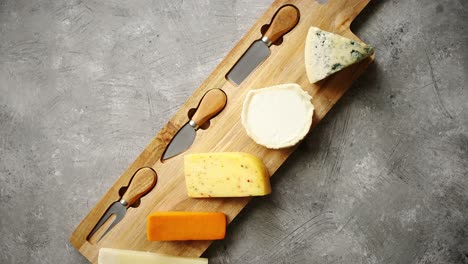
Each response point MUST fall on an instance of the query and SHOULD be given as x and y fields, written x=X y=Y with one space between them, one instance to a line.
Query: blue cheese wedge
x=327 y=53
x=277 y=116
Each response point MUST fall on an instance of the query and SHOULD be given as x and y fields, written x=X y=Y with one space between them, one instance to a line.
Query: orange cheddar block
x=177 y=226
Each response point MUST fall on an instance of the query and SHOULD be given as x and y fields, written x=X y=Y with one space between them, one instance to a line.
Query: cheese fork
x=141 y=183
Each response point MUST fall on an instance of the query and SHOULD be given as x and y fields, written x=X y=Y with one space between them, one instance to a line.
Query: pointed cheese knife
x=210 y=105
x=285 y=19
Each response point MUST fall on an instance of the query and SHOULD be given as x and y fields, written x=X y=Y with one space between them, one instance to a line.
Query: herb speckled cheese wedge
x=225 y=174
x=327 y=53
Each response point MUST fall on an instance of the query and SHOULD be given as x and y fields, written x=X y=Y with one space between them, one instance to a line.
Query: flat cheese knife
x=285 y=19
x=141 y=183
x=210 y=105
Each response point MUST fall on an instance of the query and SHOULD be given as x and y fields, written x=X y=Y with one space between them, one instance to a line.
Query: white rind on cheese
x=277 y=116
x=119 y=256
x=327 y=53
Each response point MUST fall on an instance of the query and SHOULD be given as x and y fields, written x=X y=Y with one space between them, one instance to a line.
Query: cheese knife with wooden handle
x=285 y=19
x=210 y=105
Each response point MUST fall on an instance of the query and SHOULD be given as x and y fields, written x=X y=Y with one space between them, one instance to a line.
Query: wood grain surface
x=225 y=133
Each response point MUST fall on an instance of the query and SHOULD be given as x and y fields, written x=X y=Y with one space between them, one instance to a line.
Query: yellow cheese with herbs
x=225 y=174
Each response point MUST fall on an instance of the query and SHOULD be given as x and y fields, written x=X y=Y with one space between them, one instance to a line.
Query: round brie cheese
x=277 y=116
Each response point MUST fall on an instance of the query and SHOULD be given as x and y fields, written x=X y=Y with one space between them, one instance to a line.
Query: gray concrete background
x=85 y=85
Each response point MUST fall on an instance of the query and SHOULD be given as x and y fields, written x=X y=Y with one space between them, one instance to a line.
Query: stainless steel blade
x=255 y=55
x=117 y=209
x=180 y=142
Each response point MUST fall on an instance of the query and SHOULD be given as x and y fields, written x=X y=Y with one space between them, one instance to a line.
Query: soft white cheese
x=327 y=53
x=118 y=256
x=278 y=116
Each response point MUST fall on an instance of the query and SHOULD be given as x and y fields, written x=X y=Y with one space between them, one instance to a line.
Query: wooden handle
x=142 y=182
x=211 y=104
x=285 y=19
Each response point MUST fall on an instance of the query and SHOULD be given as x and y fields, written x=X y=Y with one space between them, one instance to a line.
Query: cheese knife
x=141 y=183
x=210 y=105
x=285 y=19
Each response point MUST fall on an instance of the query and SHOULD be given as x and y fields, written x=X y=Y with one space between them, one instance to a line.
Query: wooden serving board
x=225 y=133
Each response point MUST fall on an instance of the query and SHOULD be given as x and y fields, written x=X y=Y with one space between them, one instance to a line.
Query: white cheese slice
x=327 y=53
x=278 y=116
x=118 y=256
